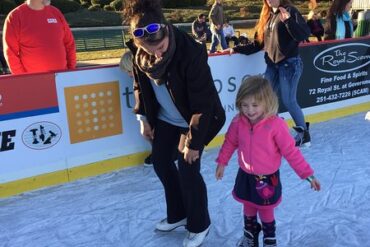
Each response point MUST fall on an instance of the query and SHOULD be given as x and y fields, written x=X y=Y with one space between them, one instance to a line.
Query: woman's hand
x=220 y=172
x=146 y=131
x=190 y=155
x=228 y=50
x=284 y=14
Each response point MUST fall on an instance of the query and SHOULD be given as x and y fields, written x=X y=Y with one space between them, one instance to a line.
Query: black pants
x=233 y=38
x=184 y=187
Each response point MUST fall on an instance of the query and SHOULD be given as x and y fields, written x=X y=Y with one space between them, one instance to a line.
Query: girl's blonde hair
x=260 y=89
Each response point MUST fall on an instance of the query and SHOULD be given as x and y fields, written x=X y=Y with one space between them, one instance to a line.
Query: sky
x=121 y=208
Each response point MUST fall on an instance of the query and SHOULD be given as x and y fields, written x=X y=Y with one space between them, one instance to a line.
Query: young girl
x=261 y=139
x=279 y=31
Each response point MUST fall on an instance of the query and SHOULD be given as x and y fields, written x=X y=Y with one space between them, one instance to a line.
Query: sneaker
x=148 y=161
x=195 y=239
x=248 y=239
x=269 y=242
x=303 y=138
x=164 y=226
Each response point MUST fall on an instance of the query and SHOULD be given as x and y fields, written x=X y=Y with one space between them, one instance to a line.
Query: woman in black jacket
x=178 y=107
x=279 y=31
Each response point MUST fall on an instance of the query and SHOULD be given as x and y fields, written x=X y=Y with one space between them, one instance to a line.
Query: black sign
x=334 y=72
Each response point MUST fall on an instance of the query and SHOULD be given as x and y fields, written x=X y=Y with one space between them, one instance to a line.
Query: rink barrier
x=64 y=126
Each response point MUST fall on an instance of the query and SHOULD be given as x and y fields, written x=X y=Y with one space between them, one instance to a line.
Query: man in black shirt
x=200 y=29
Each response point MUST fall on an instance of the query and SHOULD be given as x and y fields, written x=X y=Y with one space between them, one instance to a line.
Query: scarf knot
x=155 y=68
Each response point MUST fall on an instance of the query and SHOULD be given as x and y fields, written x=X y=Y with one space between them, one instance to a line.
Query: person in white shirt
x=230 y=34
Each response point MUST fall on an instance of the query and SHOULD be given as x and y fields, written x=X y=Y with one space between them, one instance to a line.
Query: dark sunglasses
x=150 y=29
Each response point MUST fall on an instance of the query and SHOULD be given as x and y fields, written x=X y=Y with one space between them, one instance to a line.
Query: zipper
x=250 y=147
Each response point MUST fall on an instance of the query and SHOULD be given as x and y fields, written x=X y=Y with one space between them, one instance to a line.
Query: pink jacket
x=261 y=147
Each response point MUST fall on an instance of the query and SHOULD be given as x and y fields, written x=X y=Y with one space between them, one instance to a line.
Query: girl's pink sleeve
x=230 y=143
x=290 y=152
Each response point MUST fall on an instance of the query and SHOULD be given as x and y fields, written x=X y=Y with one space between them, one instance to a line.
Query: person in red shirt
x=37 y=38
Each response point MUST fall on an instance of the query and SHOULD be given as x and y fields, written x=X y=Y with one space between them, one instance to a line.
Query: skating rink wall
x=60 y=127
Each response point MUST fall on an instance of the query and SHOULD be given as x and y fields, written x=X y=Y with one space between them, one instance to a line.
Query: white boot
x=164 y=226
x=195 y=239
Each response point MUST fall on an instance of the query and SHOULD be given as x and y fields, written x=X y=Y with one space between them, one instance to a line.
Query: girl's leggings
x=266 y=214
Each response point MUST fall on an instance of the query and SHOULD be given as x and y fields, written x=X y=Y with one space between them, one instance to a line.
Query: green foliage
x=66 y=6
x=253 y=8
x=19 y=2
x=169 y=4
x=175 y=16
x=234 y=10
x=179 y=3
x=183 y=3
x=101 y=2
x=6 y=6
x=198 y=2
x=85 y=5
x=117 y=5
x=95 y=7
x=108 y=8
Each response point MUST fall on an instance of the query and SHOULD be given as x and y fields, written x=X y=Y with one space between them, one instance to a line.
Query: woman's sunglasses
x=150 y=29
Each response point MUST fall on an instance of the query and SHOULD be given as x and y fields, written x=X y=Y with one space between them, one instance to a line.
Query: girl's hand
x=315 y=184
x=284 y=14
x=220 y=172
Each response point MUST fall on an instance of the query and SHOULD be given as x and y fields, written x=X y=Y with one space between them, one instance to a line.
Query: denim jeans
x=218 y=37
x=284 y=77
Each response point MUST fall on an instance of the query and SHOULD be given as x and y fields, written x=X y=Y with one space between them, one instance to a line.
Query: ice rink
x=120 y=209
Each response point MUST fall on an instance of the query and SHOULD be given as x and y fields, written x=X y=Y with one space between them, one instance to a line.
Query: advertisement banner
x=31 y=139
x=96 y=106
x=55 y=122
x=334 y=72
x=27 y=95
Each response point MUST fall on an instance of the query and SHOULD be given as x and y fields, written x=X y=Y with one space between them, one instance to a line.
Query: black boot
x=303 y=138
x=251 y=232
x=148 y=160
x=269 y=238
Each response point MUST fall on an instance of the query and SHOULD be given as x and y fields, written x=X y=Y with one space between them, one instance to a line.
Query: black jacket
x=281 y=39
x=191 y=86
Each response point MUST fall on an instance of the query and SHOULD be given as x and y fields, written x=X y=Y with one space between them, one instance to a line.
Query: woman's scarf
x=341 y=26
x=155 y=68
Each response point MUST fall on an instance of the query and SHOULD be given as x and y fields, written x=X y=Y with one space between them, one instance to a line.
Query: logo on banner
x=41 y=135
x=6 y=141
x=94 y=111
x=343 y=58
x=1 y=100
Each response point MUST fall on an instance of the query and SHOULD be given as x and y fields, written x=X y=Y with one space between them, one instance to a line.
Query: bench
x=96 y=40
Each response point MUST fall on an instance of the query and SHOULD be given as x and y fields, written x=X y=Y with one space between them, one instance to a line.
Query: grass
x=114 y=53
x=234 y=10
